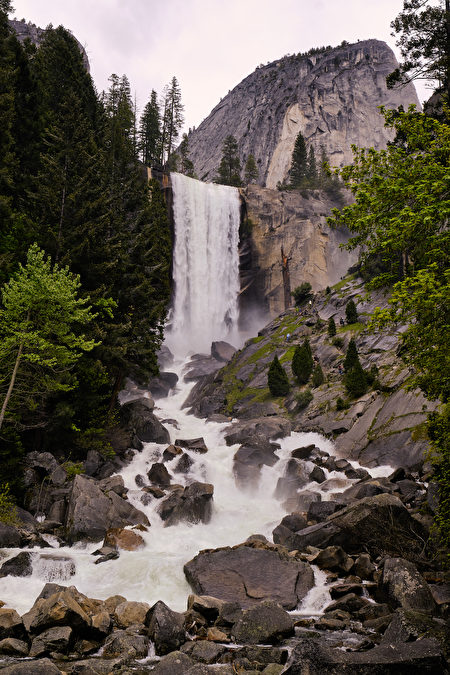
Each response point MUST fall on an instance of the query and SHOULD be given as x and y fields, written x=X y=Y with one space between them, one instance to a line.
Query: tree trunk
x=11 y=384
x=447 y=49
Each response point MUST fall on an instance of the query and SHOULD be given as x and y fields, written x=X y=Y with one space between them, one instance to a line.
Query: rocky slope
x=295 y=222
x=331 y=97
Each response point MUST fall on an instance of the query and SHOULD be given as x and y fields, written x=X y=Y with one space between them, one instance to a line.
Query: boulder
x=317 y=475
x=13 y=647
x=268 y=427
x=126 y=644
x=222 y=351
x=319 y=511
x=192 y=505
x=250 y=458
x=289 y=524
x=10 y=536
x=11 y=624
x=184 y=464
x=201 y=367
x=159 y=475
x=165 y=628
x=160 y=386
x=248 y=575
x=20 y=565
x=313 y=657
x=129 y=613
x=364 y=567
x=381 y=524
x=193 y=444
x=408 y=626
x=57 y=639
x=91 y=512
x=265 y=622
x=60 y=609
x=138 y=418
x=205 y=605
x=175 y=663
x=128 y=540
x=333 y=558
x=171 y=452
x=40 y=667
x=405 y=586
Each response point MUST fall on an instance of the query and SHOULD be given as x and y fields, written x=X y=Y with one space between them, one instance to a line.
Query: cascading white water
x=205 y=264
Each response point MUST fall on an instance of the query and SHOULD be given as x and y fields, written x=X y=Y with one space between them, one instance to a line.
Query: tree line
x=85 y=247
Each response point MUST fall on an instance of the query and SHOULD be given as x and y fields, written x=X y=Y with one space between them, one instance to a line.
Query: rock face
x=330 y=97
x=295 y=222
x=250 y=575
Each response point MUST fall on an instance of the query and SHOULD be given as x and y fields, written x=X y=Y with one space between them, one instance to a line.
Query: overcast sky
x=210 y=45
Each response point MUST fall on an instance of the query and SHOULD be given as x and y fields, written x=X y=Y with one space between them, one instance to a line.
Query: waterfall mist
x=205 y=265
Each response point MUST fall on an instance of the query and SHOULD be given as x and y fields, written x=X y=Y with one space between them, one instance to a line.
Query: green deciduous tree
x=302 y=293
x=302 y=362
x=230 y=167
x=41 y=324
x=277 y=379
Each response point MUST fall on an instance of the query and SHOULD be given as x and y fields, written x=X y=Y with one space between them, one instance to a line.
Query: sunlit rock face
x=330 y=97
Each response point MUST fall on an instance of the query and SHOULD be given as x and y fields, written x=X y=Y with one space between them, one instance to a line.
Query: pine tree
x=299 y=165
x=318 y=377
x=172 y=118
x=355 y=380
x=230 y=166
x=331 y=327
x=277 y=379
x=302 y=362
x=351 y=356
x=186 y=165
x=251 y=170
x=312 y=168
x=150 y=131
x=351 y=313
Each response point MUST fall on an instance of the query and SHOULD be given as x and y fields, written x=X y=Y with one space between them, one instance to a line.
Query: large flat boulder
x=406 y=587
x=269 y=427
x=249 y=575
x=91 y=512
x=139 y=419
x=381 y=524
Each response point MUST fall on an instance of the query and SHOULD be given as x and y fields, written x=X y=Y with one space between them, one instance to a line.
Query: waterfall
x=205 y=264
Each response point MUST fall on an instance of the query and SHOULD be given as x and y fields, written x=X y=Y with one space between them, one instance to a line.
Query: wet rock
x=20 y=565
x=193 y=444
x=11 y=624
x=165 y=356
x=333 y=558
x=139 y=419
x=91 y=512
x=60 y=609
x=302 y=501
x=265 y=622
x=269 y=427
x=415 y=658
x=364 y=567
x=126 y=644
x=40 y=667
x=184 y=464
x=112 y=555
x=250 y=575
x=140 y=480
x=250 y=458
x=155 y=492
x=175 y=663
x=56 y=639
x=319 y=511
x=128 y=540
x=350 y=603
x=165 y=628
x=405 y=586
x=161 y=386
x=317 y=475
x=339 y=590
x=113 y=484
x=10 y=536
x=13 y=647
x=193 y=504
x=222 y=351
x=289 y=524
x=129 y=613
x=171 y=452
x=303 y=452
x=158 y=474
x=360 y=474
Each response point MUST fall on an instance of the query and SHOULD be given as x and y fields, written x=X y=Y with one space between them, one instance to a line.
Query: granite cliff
x=330 y=96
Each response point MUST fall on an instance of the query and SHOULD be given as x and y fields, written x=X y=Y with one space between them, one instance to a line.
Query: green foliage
x=341 y=404
x=302 y=293
x=277 y=379
x=8 y=513
x=186 y=165
x=338 y=342
x=318 y=377
x=303 y=398
x=299 y=164
x=229 y=168
x=371 y=375
x=72 y=469
x=351 y=356
x=355 y=380
x=302 y=362
x=250 y=170
x=172 y=119
x=439 y=433
x=150 y=131
x=331 y=327
x=351 y=314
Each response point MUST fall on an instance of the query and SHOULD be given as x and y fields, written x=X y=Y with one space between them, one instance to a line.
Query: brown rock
x=127 y=540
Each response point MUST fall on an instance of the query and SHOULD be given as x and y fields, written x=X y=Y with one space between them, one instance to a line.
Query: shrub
x=355 y=380
x=304 y=398
x=73 y=469
x=351 y=356
x=331 y=327
x=302 y=293
x=350 y=312
x=328 y=290
x=302 y=362
x=371 y=375
x=8 y=513
x=277 y=379
x=341 y=404
x=338 y=342
x=318 y=377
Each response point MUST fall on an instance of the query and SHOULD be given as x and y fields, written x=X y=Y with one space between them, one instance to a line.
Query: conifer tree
x=351 y=313
x=355 y=380
x=331 y=327
x=318 y=377
x=150 y=131
x=172 y=119
x=277 y=379
x=186 y=165
x=299 y=165
x=312 y=168
x=351 y=356
x=251 y=170
x=230 y=166
x=302 y=362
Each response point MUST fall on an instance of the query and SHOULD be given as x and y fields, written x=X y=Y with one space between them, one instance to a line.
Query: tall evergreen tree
x=351 y=313
x=277 y=379
x=150 y=131
x=312 y=168
x=251 y=170
x=302 y=362
x=172 y=118
x=351 y=356
x=230 y=166
x=299 y=165
x=186 y=164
